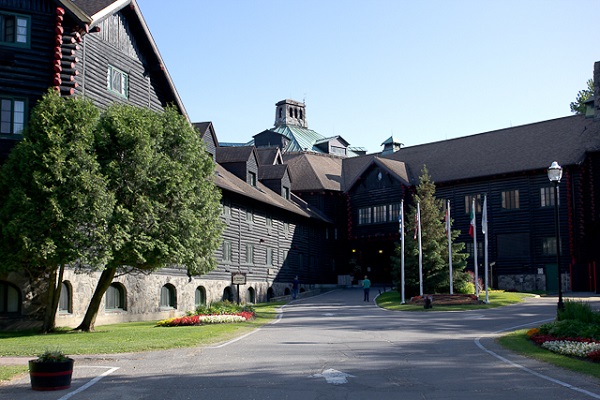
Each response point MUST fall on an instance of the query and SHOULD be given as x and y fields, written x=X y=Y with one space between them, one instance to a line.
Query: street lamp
x=554 y=175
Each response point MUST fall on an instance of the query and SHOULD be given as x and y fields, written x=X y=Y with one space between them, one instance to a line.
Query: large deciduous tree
x=167 y=209
x=436 y=276
x=54 y=203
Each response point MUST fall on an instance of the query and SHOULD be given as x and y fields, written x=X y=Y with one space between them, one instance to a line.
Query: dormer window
x=252 y=178
x=286 y=192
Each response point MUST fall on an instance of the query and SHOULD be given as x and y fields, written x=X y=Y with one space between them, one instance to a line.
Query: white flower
x=570 y=348
x=221 y=319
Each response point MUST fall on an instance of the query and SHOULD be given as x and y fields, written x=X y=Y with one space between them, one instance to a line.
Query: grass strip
x=130 y=337
x=518 y=342
x=498 y=298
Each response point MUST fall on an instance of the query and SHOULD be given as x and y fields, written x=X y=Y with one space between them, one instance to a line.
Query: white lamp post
x=554 y=175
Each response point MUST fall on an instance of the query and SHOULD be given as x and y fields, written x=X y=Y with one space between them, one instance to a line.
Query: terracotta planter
x=50 y=375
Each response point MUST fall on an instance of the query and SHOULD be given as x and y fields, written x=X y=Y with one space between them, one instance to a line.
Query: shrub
x=222 y=307
x=578 y=311
x=464 y=287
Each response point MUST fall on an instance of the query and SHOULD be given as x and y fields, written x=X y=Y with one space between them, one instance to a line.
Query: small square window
x=510 y=199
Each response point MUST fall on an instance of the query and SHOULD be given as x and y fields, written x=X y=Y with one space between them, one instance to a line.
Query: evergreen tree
x=434 y=243
x=54 y=201
x=578 y=106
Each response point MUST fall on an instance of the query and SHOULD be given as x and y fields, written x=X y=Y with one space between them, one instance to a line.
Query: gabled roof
x=207 y=128
x=235 y=154
x=228 y=181
x=301 y=139
x=269 y=155
x=329 y=139
x=505 y=151
x=314 y=172
x=91 y=12
x=397 y=169
x=272 y=171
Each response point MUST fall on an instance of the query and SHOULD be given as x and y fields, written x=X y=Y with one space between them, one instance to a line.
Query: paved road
x=335 y=346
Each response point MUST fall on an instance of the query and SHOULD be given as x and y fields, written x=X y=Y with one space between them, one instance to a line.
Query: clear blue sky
x=422 y=71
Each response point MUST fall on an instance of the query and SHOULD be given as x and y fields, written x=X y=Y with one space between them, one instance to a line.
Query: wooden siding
x=530 y=221
x=26 y=72
x=301 y=238
x=96 y=55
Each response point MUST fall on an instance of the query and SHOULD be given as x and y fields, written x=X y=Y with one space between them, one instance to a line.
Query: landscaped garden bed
x=446 y=299
x=216 y=313
x=575 y=333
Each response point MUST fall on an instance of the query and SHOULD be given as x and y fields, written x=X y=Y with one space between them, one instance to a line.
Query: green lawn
x=519 y=343
x=498 y=298
x=126 y=338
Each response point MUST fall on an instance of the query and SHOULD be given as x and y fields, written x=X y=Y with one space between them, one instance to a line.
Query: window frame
x=12 y=113
x=469 y=200
x=123 y=91
x=547 y=196
x=115 y=291
x=168 y=297
x=65 y=302
x=510 y=199
x=9 y=291
x=15 y=42
x=227 y=251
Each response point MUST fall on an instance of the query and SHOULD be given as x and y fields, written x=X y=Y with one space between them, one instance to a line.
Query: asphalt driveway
x=335 y=346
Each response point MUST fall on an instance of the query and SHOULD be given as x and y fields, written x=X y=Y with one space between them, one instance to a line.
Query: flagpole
x=484 y=228
x=402 y=246
x=420 y=250
x=474 y=222
x=449 y=233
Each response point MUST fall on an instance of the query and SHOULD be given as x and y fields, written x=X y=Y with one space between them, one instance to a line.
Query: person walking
x=366 y=284
x=295 y=287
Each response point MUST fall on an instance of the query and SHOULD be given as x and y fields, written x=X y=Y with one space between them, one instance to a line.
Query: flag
x=472 y=226
x=484 y=216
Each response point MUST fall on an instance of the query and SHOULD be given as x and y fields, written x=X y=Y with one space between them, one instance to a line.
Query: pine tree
x=434 y=243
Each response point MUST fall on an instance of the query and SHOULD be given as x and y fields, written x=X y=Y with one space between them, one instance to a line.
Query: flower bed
x=447 y=299
x=585 y=348
x=191 y=320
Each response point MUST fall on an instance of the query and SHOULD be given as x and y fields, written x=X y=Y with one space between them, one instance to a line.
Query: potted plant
x=52 y=370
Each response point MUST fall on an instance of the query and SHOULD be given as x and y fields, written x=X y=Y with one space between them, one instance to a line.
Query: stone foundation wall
x=142 y=297
x=529 y=282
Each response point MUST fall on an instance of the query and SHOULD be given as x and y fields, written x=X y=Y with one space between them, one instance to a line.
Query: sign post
x=238 y=278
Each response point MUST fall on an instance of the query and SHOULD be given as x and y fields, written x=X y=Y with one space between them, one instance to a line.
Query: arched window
x=295 y=113
x=270 y=294
x=300 y=114
x=168 y=296
x=115 y=297
x=287 y=291
x=291 y=112
x=10 y=298
x=200 y=296
x=65 y=303
x=251 y=296
x=227 y=294
x=280 y=112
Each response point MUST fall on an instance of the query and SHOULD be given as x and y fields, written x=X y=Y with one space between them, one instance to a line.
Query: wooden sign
x=238 y=278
